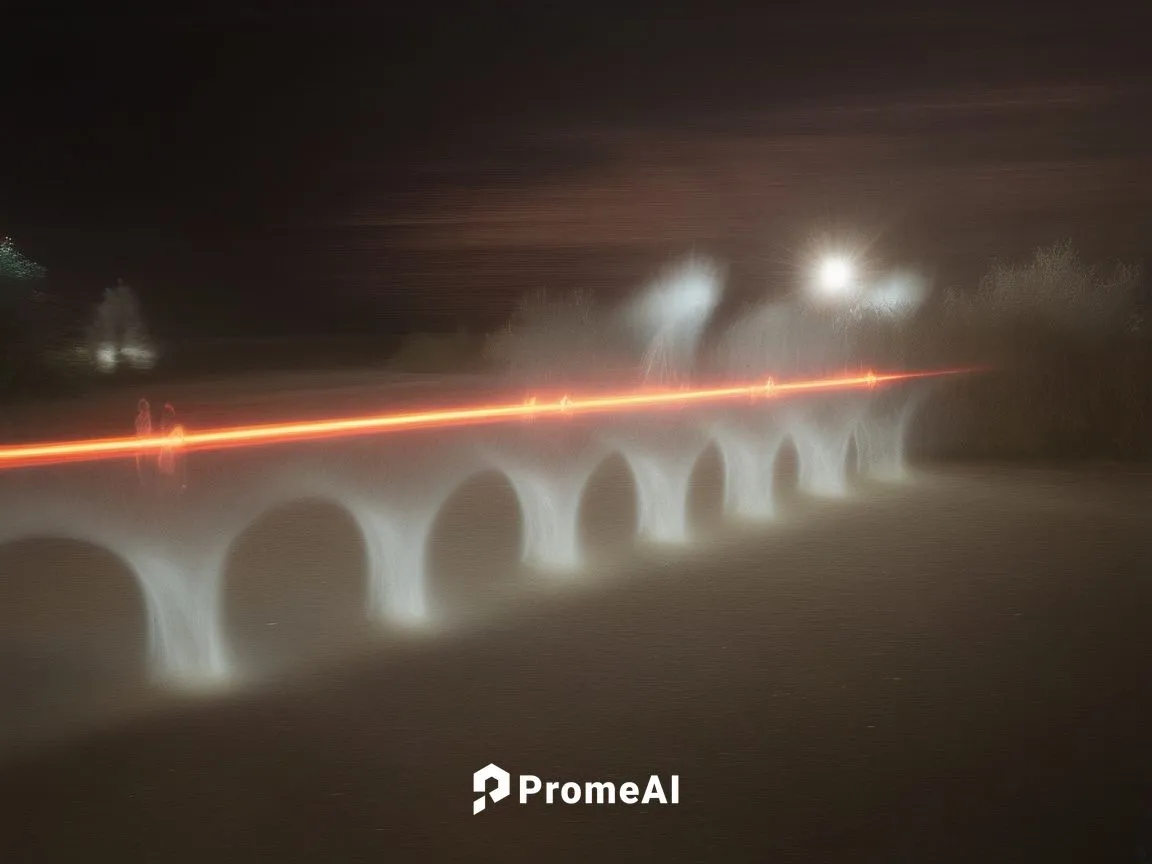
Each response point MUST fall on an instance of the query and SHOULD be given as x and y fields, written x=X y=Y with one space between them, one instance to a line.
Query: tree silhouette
x=1055 y=288
x=18 y=321
x=15 y=267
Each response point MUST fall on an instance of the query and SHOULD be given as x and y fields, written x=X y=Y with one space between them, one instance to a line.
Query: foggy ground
x=952 y=670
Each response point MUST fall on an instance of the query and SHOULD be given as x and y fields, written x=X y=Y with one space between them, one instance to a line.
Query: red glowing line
x=245 y=436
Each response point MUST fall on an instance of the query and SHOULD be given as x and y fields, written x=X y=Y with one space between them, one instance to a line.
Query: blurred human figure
x=143 y=430
x=171 y=463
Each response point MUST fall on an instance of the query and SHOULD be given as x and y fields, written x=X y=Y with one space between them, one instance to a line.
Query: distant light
x=106 y=357
x=836 y=275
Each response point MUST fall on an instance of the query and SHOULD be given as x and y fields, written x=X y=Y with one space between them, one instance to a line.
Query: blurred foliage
x=1069 y=358
x=22 y=317
x=14 y=267
x=1054 y=289
x=554 y=338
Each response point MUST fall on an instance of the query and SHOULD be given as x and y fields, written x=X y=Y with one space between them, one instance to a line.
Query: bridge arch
x=393 y=536
x=707 y=491
x=785 y=477
x=608 y=517
x=661 y=472
x=184 y=644
x=295 y=581
x=479 y=534
x=853 y=467
x=74 y=630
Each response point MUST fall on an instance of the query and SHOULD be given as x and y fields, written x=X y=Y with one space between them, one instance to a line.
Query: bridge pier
x=662 y=489
x=749 y=472
x=880 y=447
x=550 y=514
x=397 y=565
x=186 y=639
x=882 y=435
x=823 y=459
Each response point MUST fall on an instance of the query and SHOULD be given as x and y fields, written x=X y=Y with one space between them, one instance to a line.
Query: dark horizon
x=351 y=172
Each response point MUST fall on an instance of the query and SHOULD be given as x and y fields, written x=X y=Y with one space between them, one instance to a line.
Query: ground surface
x=953 y=670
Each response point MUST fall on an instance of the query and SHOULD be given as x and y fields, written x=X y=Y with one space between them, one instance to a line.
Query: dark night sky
x=347 y=170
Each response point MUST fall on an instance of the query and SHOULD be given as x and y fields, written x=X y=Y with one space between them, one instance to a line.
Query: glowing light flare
x=836 y=274
x=245 y=436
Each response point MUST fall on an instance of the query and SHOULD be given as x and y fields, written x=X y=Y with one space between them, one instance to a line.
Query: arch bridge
x=394 y=488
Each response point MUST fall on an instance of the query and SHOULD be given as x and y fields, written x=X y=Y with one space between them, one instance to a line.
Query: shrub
x=555 y=339
x=118 y=333
x=1057 y=290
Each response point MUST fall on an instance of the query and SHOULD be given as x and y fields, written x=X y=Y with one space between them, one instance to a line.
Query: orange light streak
x=26 y=455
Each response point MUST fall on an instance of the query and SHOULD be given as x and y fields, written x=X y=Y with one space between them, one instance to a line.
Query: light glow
x=139 y=356
x=26 y=455
x=836 y=275
x=106 y=359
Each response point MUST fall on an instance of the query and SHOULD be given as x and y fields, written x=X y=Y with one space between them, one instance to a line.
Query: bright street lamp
x=836 y=276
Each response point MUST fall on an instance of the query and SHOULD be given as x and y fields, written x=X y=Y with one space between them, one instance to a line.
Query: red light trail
x=26 y=455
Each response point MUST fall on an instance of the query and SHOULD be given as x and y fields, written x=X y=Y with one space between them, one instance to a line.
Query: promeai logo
x=595 y=792
x=480 y=784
